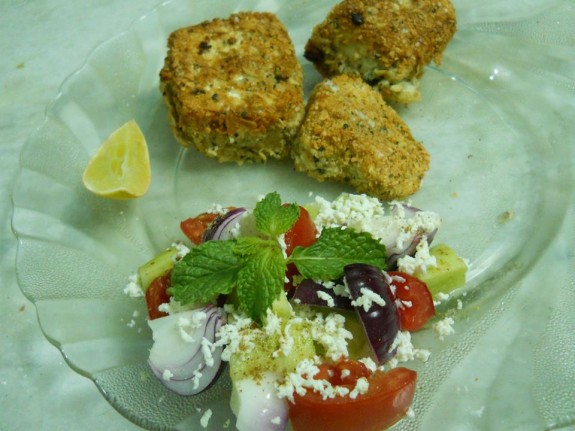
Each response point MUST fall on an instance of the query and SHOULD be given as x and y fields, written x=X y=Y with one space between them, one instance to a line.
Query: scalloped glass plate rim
x=502 y=275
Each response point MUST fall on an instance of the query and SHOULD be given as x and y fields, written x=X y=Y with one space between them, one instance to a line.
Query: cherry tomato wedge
x=157 y=294
x=387 y=400
x=417 y=303
x=302 y=233
x=194 y=227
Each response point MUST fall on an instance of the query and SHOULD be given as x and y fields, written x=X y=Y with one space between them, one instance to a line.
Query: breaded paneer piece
x=386 y=42
x=350 y=135
x=234 y=88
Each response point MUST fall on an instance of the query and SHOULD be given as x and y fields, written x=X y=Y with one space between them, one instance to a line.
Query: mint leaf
x=272 y=218
x=207 y=271
x=261 y=278
x=334 y=249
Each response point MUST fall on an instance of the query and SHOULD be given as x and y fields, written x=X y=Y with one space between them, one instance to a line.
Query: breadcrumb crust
x=234 y=88
x=386 y=42
x=350 y=135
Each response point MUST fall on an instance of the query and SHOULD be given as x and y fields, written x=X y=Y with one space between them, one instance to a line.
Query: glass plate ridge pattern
x=494 y=118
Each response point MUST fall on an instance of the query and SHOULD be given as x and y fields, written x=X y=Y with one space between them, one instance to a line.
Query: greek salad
x=310 y=307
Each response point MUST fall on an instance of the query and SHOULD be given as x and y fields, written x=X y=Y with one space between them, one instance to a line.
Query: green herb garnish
x=255 y=267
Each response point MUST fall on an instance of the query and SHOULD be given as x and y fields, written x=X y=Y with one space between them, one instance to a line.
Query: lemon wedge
x=120 y=169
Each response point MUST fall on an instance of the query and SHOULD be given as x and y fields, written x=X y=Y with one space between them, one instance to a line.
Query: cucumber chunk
x=449 y=273
x=156 y=267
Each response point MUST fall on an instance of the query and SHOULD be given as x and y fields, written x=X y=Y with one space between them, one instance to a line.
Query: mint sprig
x=261 y=279
x=334 y=249
x=273 y=218
x=207 y=271
x=254 y=268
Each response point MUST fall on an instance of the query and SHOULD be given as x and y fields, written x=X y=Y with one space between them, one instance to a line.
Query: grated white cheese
x=197 y=376
x=187 y=326
x=205 y=419
x=361 y=387
x=207 y=350
x=405 y=351
x=367 y=299
x=174 y=307
x=420 y=261
x=181 y=251
x=302 y=379
x=337 y=288
x=330 y=332
x=444 y=327
x=167 y=375
x=133 y=289
x=325 y=297
x=366 y=214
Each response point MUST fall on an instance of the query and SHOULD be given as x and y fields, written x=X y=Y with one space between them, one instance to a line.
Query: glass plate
x=494 y=117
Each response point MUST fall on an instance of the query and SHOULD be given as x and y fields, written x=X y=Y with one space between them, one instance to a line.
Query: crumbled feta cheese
x=361 y=387
x=133 y=289
x=273 y=324
x=420 y=261
x=276 y=421
x=367 y=299
x=405 y=351
x=207 y=350
x=326 y=297
x=330 y=332
x=217 y=209
x=369 y=363
x=205 y=419
x=337 y=288
x=181 y=251
x=174 y=307
x=444 y=327
x=167 y=375
x=197 y=376
x=302 y=379
x=366 y=214
x=188 y=326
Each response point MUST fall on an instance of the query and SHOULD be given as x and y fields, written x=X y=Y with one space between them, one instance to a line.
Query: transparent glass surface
x=496 y=117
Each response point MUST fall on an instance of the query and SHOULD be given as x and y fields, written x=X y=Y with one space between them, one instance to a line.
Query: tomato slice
x=157 y=294
x=194 y=227
x=417 y=303
x=387 y=400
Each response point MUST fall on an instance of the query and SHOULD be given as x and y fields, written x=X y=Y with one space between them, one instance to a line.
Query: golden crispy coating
x=350 y=135
x=234 y=87
x=386 y=42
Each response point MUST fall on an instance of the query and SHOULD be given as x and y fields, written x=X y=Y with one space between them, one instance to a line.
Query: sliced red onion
x=256 y=405
x=394 y=253
x=380 y=321
x=222 y=227
x=182 y=356
x=306 y=293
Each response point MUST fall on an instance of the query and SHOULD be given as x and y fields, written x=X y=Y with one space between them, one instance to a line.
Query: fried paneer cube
x=386 y=42
x=234 y=88
x=350 y=135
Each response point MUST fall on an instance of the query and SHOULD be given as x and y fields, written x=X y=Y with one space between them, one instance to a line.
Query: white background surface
x=41 y=43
